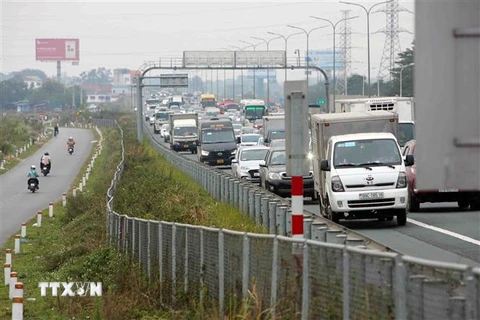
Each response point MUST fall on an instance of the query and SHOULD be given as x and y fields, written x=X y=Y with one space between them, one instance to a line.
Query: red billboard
x=57 y=50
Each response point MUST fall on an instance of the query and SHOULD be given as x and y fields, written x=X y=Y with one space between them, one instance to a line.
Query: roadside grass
x=152 y=188
x=21 y=157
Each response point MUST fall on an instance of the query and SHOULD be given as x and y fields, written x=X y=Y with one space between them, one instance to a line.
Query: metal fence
x=287 y=278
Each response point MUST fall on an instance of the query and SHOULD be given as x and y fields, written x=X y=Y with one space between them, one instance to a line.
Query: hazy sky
x=119 y=34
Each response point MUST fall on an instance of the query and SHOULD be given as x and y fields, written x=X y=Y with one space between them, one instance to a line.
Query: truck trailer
x=183 y=132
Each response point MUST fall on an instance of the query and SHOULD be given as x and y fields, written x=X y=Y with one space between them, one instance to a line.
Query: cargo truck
x=183 y=132
x=161 y=117
x=359 y=171
x=403 y=106
x=273 y=128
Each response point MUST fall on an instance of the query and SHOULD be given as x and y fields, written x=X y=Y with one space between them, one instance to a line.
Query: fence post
x=273 y=289
x=221 y=272
x=272 y=212
x=50 y=209
x=281 y=220
x=258 y=208
x=174 y=262
x=160 y=258
x=346 y=283
x=305 y=282
x=185 y=274
x=245 y=264
x=472 y=298
x=202 y=262
x=148 y=251
x=400 y=288
x=264 y=212
x=39 y=219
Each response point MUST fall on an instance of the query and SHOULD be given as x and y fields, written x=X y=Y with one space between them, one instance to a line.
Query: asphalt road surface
x=439 y=231
x=17 y=203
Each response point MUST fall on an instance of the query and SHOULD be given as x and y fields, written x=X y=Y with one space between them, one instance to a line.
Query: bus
x=208 y=100
x=254 y=109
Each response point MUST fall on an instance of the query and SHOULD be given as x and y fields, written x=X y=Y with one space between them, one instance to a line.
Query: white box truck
x=403 y=106
x=273 y=128
x=359 y=170
x=184 y=132
x=161 y=117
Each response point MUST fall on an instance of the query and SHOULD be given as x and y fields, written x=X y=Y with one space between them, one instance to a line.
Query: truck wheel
x=334 y=216
x=412 y=204
x=315 y=196
x=475 y=205
x=463 y=204
x=402 y=217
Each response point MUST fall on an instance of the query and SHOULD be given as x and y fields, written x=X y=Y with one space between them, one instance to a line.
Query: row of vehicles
x=362 y=157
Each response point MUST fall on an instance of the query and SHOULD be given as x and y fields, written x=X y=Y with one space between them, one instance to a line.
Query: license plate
x=220 y=161
x=448 y=190
x=371 y=195
x=256 y=174
x=185 y=146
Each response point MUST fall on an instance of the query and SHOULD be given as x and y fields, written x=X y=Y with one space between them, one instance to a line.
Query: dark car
x=464 y=198
x=273 y=175
x=217 y=144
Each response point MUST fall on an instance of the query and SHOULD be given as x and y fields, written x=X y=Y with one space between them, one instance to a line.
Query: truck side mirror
x=409 y=160
x=324 y=166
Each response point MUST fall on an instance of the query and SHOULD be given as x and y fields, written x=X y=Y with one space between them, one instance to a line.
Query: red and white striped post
x=8 y=256
x=7 y=268
x=50 y=209
x=297 y=206
x=296 y=140
x=11 y=285
x=17 y=308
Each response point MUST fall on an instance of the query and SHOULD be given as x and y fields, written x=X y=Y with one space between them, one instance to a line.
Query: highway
x=439 y=231
x=17 y=204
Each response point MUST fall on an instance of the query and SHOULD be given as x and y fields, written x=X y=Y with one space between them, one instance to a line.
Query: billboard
x=57 y=50
x=272 y=58
x=173 y=80
x=324 y=59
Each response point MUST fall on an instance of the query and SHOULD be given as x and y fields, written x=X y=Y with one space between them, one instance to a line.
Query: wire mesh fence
x=288 y=278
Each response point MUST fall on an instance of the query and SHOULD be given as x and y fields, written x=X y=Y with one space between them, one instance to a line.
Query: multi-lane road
x=439 y=231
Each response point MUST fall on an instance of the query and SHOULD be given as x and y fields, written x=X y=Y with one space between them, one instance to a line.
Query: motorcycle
x=55 y=133
x=33 y=185
x=70 y=150
x=45 y=170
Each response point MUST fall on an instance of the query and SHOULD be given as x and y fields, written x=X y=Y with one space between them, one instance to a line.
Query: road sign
x=173 y=80
x=321 y=101
x=260 y=59
x=208 y=58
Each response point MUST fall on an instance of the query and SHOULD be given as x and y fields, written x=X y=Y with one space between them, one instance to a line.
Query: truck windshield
x=365 y=153
x=218 y=135
x=253 y=113
x=406 y=133
x=274 y=135
x=185 y=132
x=162 y=116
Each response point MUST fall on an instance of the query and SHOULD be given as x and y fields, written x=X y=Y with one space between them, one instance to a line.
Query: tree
x=405 y=58
x=97 y=76
x=356 y=85
x=12 y=90
x=33 y=72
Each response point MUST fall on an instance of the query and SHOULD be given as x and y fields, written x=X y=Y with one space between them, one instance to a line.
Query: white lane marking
x=450 y=233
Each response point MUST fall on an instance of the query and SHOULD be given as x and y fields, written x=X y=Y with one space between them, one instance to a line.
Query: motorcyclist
x=46 y=161
x=70 y=142
x=55 y=129
x=33 y=175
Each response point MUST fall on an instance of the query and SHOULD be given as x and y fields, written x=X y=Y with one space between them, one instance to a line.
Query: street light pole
x=254 y=46
x=368 y=35
x=307 y=33
x=286 y=46
x=267 y=42
x=241 y=76
x=401 y=79
x=334 y=27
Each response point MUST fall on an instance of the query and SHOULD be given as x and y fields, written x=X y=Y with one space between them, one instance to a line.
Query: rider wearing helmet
x=46 y=161
x=70 y=142
x=33 y=175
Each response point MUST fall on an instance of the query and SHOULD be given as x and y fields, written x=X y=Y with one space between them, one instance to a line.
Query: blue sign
x=324 y=59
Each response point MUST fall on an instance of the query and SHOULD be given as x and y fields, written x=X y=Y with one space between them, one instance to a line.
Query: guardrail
x=289 y=278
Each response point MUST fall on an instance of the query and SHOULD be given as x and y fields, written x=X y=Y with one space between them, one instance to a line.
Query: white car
x=152 y=119
x=246 y=163
x=164 y=130
x=250 y=139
